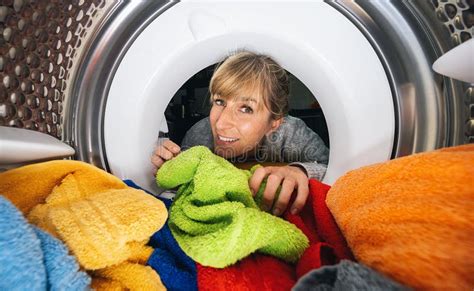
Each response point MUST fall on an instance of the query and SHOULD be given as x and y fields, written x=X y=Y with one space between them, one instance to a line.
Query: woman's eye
x=246 y=109
x=219 y=102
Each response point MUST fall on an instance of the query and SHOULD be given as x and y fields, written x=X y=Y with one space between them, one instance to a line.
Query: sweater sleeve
x=313 y=170
x=313 y=155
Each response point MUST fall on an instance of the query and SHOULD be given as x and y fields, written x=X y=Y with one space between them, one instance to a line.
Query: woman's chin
x=226 y=152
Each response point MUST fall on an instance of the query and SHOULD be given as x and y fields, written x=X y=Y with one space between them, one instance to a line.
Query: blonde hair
x=246 y=72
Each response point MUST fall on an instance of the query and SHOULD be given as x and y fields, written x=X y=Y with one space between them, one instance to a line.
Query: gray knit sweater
x=293 y=142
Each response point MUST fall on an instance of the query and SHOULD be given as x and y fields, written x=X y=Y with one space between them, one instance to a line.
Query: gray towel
x=346 y=275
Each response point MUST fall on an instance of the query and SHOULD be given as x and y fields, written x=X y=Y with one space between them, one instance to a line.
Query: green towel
x=214 y=218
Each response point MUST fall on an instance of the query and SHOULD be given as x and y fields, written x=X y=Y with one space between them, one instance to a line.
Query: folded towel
x=214 y=217
x=31 y=259
x=412 y=218
x=346 y=275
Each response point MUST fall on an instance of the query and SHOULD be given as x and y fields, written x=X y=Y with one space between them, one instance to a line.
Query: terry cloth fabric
x=31 y=259
x=346 y=275
x=326 y=226
x=255 y=272
x=214 y=217
x=102 y=221
x=99 y=228
x=259 y=272
x=29 y=186
x=62 y=269
x=127 y=276
x=177 y=270
x=327 y=245
x=412 y=218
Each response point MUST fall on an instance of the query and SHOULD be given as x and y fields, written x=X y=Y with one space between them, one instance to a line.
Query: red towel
x=317 y=255
x=256 y=272
x=325 y=224
x=327 y=245
x=261 y=272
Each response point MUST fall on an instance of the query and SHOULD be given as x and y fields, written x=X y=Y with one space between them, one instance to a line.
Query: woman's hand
x=290 y=178
x=166 y=151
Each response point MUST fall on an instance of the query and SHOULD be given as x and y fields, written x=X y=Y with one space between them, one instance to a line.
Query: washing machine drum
x=368 y=64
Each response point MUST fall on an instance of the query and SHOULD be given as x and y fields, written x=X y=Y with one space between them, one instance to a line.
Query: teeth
x=227 y=139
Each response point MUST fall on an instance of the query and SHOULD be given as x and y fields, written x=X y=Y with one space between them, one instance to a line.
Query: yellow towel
x=104 y=223
x=129 y=275
x=412 y=218
x=28 y=186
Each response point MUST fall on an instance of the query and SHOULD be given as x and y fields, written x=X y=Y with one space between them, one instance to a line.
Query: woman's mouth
x=222 y=140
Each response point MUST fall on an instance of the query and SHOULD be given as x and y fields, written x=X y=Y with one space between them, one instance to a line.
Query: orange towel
x=412 y=218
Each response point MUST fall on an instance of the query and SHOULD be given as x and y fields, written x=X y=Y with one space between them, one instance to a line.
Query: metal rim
x=84 y=125
x=408 y=39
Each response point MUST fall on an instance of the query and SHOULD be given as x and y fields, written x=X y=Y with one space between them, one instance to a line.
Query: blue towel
x=31 y=259
x=62 y=269
x=21 y=257
x=177 y=271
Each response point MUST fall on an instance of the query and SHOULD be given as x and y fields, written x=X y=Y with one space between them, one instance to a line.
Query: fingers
x=302 y=195
x=257 y=179
x=157 y=161
x=164 y=152
x=171 y=146
x=167 y=150
x=289 y=179
x=286 y=191
x=269 y=193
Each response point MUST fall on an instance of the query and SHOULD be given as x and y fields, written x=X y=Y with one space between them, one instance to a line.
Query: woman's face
x=238 y=125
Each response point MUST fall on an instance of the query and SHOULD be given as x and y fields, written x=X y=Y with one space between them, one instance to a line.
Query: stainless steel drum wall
x=40 y=43
x=458 y=16
x=433 y=111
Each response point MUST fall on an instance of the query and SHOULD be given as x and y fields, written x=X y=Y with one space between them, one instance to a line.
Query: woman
x=248 y=121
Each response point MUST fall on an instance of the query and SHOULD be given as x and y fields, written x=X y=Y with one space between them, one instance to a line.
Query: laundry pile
x=214 y=217
x=104 y=224
x=217 y=224
x=405 y=223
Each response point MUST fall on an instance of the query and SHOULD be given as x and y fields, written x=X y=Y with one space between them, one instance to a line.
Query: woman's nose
x=225 y=119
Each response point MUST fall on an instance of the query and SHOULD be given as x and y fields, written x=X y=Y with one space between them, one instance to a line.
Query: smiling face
x=238 y=125
x=249 y=95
